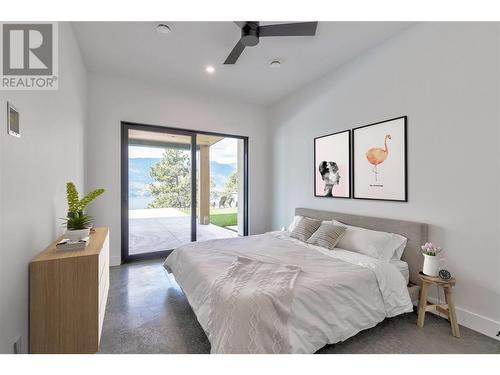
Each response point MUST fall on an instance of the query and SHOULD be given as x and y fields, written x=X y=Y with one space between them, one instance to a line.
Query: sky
x=223 y=152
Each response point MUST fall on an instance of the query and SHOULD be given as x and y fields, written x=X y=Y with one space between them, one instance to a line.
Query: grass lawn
x=224 y=217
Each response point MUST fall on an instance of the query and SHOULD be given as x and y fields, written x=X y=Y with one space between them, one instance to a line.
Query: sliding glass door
x=180 y=186
x=220 y=187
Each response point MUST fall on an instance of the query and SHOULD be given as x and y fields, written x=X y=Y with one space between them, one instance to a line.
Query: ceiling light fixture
x=210 y=69
x=275 y=64
x=163 y=28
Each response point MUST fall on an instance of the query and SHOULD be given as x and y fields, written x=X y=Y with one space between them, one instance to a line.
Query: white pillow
x=294 y=223
x=376 y=244
x=398 y=242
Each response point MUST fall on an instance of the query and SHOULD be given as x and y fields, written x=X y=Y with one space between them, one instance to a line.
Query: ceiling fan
x=251 y=31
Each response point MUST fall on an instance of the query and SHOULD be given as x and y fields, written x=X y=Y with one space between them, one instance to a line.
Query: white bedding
x=402 y=266
x=337 y=294
x=250 y=308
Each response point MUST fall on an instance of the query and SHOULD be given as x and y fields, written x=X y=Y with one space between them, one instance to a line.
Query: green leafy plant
x=75 y=205
x=77 y=219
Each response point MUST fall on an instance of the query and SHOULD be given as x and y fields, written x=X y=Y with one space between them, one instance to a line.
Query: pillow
x=327 y=235
x=305 y=228
x=399 y=243
x=376 y=244
x=294 y=223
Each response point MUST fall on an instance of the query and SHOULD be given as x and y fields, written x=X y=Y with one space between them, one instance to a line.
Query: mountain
x=220 y=172
x=139 y=178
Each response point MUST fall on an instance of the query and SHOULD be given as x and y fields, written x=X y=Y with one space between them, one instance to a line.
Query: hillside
x=139 y=179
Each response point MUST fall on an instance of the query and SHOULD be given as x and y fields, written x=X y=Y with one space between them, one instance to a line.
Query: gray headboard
x=415 y=232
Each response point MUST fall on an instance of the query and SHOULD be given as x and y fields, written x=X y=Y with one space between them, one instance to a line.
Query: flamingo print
x=377 y=155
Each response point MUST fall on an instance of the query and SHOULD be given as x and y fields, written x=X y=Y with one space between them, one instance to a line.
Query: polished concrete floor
x=162 y=229
x=148 y=313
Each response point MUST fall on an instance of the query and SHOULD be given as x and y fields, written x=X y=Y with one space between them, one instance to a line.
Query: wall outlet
x=18 y=346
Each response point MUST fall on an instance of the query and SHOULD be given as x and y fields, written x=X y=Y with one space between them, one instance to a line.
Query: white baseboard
x=115 y=260
x=476 y=322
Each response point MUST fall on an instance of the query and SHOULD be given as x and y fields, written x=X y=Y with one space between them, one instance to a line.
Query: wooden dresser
x=68 y=294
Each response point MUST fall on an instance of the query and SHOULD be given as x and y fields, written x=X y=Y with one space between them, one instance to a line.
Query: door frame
x=125 y=126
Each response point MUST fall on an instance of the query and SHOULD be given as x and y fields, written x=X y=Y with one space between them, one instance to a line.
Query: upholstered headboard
x=415 y=232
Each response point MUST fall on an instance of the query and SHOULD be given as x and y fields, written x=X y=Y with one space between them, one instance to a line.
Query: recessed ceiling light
x=210 y=69
x=163 y=28
x=275 y=64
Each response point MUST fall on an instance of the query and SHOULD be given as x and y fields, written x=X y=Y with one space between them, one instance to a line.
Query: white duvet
x=337 y=293
x=250 y=308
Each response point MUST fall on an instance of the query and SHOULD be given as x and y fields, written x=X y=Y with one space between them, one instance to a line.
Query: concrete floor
x=148 y=313
x=160 y=229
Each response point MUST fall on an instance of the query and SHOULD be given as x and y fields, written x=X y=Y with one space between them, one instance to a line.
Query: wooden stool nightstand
x=448 y=308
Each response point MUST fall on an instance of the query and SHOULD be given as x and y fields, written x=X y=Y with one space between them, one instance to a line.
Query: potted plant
x=431 y=260
x=78 y=223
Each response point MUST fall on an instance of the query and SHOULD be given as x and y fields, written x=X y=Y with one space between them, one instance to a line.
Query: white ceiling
x=137 y=51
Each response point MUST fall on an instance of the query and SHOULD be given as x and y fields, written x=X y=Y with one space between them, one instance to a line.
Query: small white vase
x=77 y=235
x=431 y=265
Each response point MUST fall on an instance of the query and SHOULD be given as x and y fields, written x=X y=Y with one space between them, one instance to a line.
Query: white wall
x=445 y=77
x=113 y=100
x=241 y=187
x=33 y=172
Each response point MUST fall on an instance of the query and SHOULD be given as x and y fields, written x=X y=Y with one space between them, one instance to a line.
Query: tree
x=214 y=194
x=230 y=187
x=172 y=175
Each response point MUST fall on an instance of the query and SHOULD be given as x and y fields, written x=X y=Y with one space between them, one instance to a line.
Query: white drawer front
x=104 y=257
x=103 y=282
x=102 y=303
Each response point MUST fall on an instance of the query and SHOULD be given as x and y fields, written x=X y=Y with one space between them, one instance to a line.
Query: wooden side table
x=447 y=308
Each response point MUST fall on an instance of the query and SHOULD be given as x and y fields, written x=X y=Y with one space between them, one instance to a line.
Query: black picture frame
x=349 y=168
x=405 y=162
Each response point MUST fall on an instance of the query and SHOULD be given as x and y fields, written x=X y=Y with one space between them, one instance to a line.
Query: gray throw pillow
x=305 y=228
x=327 y=235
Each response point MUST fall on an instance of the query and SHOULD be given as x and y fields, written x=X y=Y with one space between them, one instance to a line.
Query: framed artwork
x=332 y=165
x=380 y=161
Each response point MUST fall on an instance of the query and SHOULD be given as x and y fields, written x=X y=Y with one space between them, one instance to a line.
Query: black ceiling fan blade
x=289 y=29
x=235 y=53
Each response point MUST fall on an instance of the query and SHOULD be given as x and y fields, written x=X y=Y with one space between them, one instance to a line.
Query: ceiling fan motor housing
x=250 y=34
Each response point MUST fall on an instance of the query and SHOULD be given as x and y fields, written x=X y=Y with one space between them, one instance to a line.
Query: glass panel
x=159 y=191
x=220 y=179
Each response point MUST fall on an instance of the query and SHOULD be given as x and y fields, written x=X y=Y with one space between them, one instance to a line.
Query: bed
x=308 y=296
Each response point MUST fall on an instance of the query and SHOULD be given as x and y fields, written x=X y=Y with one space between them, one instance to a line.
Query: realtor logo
x=29 y=56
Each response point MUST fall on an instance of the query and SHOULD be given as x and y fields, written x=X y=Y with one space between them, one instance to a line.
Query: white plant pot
x=431 y=265
x=77 y=235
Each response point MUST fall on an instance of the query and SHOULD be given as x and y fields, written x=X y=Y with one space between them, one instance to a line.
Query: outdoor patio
x=160 y=229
